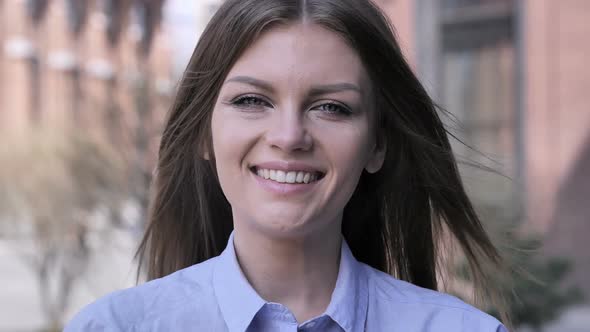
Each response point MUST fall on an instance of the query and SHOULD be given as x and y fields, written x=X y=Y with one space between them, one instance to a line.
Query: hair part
x=394 y=218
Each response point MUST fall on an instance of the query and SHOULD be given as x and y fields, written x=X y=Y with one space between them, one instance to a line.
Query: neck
x=299 y=273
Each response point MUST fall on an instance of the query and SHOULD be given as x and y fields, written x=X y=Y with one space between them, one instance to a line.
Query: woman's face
x=292 y=131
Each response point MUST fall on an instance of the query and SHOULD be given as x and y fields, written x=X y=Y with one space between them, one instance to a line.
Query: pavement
x=112 y=268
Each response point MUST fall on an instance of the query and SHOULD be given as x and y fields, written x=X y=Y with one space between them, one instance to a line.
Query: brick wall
x=557 y=102
x=557 y=128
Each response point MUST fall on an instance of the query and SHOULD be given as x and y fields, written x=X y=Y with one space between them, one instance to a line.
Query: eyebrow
x=264 y=85
x=316 y=90
x=319 y=90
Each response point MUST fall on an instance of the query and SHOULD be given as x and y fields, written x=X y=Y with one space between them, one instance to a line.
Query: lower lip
x=284 y=188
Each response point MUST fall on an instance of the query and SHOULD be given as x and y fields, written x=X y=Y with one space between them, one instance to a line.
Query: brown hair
x=394 y=219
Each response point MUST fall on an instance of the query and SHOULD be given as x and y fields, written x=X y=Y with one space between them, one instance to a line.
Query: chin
x=284 y=227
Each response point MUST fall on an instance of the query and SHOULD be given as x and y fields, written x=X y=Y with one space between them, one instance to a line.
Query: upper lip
x=288 y=166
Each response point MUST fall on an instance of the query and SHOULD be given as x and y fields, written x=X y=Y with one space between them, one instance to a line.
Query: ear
x=203 y=151
x=206 y=155
x=376 y=158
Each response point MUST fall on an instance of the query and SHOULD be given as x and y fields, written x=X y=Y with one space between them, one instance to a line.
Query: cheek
x=225 y=135
x=233 y=139
x=347 y=151
x=348 y=148
x=228 y=136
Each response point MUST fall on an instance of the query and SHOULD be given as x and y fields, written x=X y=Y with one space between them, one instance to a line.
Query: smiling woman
x=302 y=143
x=294 y=104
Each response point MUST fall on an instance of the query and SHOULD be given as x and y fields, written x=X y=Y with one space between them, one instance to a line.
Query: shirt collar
x=239 y=302
x=349 y=303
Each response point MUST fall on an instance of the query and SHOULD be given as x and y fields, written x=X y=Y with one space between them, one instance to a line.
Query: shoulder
x=123 y=310
x=425 y=309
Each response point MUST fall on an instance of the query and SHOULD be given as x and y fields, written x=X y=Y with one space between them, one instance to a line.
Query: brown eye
x=334 y=109
x=251 y=101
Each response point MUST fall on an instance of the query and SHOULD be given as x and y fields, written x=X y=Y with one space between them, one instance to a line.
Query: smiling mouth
x=288 y=177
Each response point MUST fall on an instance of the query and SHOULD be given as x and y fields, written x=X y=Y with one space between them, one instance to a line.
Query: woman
x=302 y=143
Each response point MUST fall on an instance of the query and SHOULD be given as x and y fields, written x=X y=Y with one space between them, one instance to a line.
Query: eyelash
x=342 y=110
x=257 y=102
x=252 y=101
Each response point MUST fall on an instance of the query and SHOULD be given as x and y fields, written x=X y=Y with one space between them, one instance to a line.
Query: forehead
x=301 y=53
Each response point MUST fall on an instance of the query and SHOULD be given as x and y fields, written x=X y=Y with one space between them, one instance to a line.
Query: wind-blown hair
x=394 y=220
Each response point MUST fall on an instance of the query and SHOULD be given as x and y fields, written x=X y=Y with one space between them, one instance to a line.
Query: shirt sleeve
x=86 y=323
x=501 y=328
x=474 y=321
x=109 y=314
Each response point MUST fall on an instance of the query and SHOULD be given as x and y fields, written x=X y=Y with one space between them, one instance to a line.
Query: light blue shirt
x=215 y=296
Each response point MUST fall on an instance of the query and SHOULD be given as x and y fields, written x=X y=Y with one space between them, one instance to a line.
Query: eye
x=333 y=108
x=250 y=101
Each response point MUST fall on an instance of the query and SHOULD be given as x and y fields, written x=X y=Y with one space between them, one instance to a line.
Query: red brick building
x=515 y=74
x=101 y=65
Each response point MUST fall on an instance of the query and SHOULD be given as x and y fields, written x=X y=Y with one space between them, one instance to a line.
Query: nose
x=288 y=132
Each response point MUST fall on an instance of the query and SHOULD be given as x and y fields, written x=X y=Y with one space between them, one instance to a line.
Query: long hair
x=394 y=219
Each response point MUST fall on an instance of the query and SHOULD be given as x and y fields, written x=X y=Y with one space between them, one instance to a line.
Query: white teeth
x=281 y=176
x=287 y=177
x=306 y=177
x=291 y=176
x=299 y=177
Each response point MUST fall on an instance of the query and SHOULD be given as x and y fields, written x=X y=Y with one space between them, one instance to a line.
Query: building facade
x=96 y=67
x=514 y=74
x=100 y=65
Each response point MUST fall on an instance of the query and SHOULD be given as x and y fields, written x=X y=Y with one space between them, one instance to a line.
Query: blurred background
x=85 y=86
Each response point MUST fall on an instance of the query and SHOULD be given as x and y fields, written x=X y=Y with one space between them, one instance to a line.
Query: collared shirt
x=215 y=296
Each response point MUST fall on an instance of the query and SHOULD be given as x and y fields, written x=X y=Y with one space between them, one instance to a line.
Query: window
x=76 y=11
x=36 y=9
x=455 y=4
x=477 y=81
x=145 y=16
x=113 y=11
